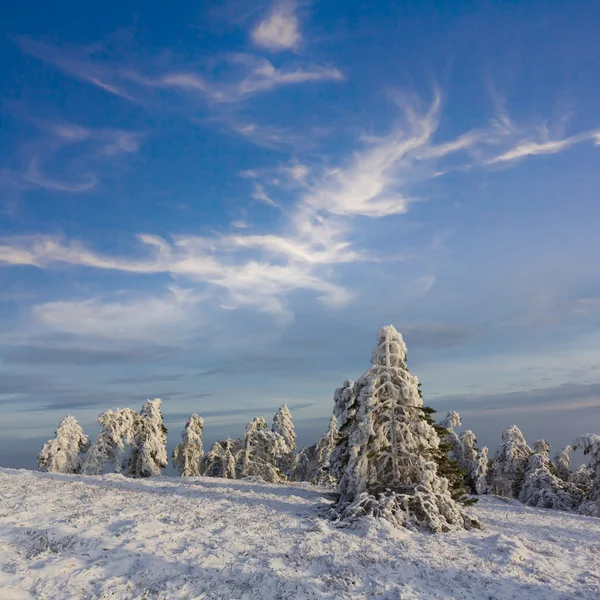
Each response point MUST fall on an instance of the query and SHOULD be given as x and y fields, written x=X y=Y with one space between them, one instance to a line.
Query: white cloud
x=531 y=148
x=260 y=195
x=153 y=318
x=279 y=30
x=369 y=185
x=34 y=176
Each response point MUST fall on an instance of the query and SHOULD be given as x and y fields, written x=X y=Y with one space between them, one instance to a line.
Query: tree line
x=382 y=452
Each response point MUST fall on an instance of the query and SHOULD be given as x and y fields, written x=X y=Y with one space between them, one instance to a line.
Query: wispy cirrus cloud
x=240 y=75
x=262 y=270
x=279 y=29
x=44 y=162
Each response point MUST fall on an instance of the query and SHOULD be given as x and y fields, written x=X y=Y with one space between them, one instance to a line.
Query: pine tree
x=393 y=449
x=117 y=432
x=590 y=443
x=480 y=474
x=220 y=461
x=261 y=451
x=63 y=454
x=284 y=426
x=149 y=449
x=562 y=463
x=510 y=464
x=313 y=463
x=344 y=410
x=188 y=454
x=541 y=487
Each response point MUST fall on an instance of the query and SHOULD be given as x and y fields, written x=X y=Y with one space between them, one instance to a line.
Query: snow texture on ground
x=68 y=537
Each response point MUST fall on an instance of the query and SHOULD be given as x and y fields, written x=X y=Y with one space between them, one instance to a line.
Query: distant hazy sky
x=219 y=203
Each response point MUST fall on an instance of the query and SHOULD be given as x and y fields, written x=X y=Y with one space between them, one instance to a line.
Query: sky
x=220 y=203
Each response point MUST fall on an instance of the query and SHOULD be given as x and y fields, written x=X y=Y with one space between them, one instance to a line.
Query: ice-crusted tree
x=117 y=431
x=450 y=421
x=261 y=452
x=473 y=463
x=149 y=449
x=220 y=461
x=480 y=474
x=562 y=463
x=391 y=469
x=541 y=488
x=188 y=454
x=284 y=426
x=64 y=453
x=344 y=410
x=510 y=464
x=313 y=463
x=590 y=444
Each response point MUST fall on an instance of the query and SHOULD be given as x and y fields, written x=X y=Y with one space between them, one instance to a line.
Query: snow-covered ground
x=68 y=537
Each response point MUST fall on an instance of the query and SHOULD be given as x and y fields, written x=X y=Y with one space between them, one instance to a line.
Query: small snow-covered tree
x=188 y=454
x=63 y=454
x=541 y=487
x=590 y=443
x=562 y=463
x=344 y=410
x=450 y=421
x=149 y=449
x=284 y=426
x=391 y=449
x=313 y=463
x=473 y=465
x=480 y=472
x=261 y=452
x=220 y=461
x=117 y=431
x=510 y=464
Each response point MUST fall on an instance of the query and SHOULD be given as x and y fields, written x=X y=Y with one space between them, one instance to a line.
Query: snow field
x=70 y=537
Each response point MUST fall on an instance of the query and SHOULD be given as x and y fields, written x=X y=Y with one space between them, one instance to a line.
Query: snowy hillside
x=66 y=536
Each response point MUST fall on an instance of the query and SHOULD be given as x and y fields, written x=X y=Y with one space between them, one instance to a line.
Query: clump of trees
x=382 y=452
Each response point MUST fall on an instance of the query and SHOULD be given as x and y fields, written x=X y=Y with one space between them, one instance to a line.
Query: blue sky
x=220 y=204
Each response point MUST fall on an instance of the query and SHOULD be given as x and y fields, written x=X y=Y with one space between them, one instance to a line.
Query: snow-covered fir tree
x=313 y=463
x=391 y=468
x=188 y=454
x=220 y=461
x=562 y=463
x=344 y=410
x=284 y=426
x=480 y=474
x=64 y=453
x=541 y=487
x=117 y=431
x=510 y=464
x=590 y=444
x=262 y=449
x=149 y=449
x=475 y=469
x=450 y=421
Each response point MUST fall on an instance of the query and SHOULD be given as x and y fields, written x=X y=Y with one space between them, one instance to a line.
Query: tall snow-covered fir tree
x=590 y=443
x=313 y=463
x=149 y=449
x=510 y=464
x=284 y=426
x=261 y=452
x=117 y=431
x=541 y=488
x=391 y=449
x=188 y=454
x=64 y=453
x=220 y=461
